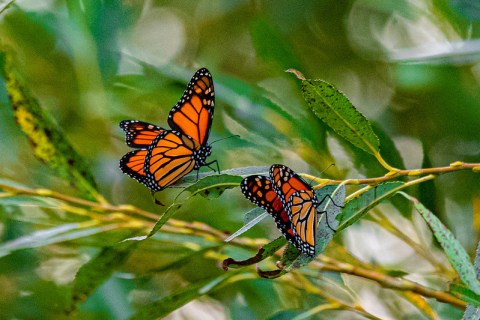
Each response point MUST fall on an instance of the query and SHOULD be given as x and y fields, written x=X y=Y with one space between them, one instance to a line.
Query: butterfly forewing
x=139 y=134
x=286 y=182
x=193 y=113
x=259 y=190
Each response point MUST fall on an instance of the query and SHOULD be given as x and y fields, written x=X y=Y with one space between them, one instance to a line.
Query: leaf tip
x=297 y=73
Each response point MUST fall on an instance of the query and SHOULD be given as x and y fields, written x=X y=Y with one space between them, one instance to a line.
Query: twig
x=329 y=264
x=455 y=166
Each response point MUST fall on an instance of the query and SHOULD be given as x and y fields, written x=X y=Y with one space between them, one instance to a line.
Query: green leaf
x=165 y=306
x=5 y=6
x=332 y=199
x=334 y=108
x=472 y=311
x=466 y=295
x=192 y=178
x=356 y=208
x=29 y=201
x=92 y=274
x=253 y=214
x=193 y=256
x=290 y=254
x=49 y=143
x=213 y=186
x=251 y=218
x=54 y=235
x=174 y=207
x=456 y=254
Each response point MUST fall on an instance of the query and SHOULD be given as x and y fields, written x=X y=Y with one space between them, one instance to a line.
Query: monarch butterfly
x=259 y=190
x=164 y=156
x=290 y=200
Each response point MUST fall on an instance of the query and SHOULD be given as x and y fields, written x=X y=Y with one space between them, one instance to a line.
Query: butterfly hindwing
x=133 y=163
x=259 y=190
x=302 y=212
x=193 y=113
x=169 y=158
x=300 y=203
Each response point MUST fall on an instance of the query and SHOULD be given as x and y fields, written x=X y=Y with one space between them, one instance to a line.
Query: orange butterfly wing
x=259 y=190
x=170 y=157
x=165 y=156
x=300 y=203
x=133 y=164
x=139 y=134
x=193 y=113
x=302 y=211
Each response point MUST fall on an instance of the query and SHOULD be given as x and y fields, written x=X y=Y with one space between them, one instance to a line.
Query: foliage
x=79 y=239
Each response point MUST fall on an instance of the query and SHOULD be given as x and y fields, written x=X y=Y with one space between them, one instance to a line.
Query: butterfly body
x=168 y=155
x=290 y=201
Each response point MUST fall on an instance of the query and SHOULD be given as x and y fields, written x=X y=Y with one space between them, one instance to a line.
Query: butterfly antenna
x=235 y=135
x=311 y=180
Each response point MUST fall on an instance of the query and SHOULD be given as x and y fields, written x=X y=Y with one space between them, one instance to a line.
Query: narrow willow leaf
x=174 y=207
x=213 y=186
x=466 y=295
x=193 y=256
x=420 y=303
x=253 y=214
x=66 y=232
x=358 y=207
x=29 y=201
x=192 y=178
x=166 y=215
x=453 y=249
x=285 y=314
x=5 y=6
x=332 y=199
x=334 y=108
x=92 y=274
x=49 y=143
x=472 y=312
x=255 y=217
x=290 y=254
x=165 y=306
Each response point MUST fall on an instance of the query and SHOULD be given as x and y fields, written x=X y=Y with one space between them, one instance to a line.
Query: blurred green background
x=411 y=67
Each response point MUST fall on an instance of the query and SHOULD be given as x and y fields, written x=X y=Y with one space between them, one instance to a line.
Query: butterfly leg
x=216 y=162
x=326 y=219
x=326 y=213
x=331 y=199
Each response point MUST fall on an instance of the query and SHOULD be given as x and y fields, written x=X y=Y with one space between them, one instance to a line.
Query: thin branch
x=455 y=166
x=330 y=264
